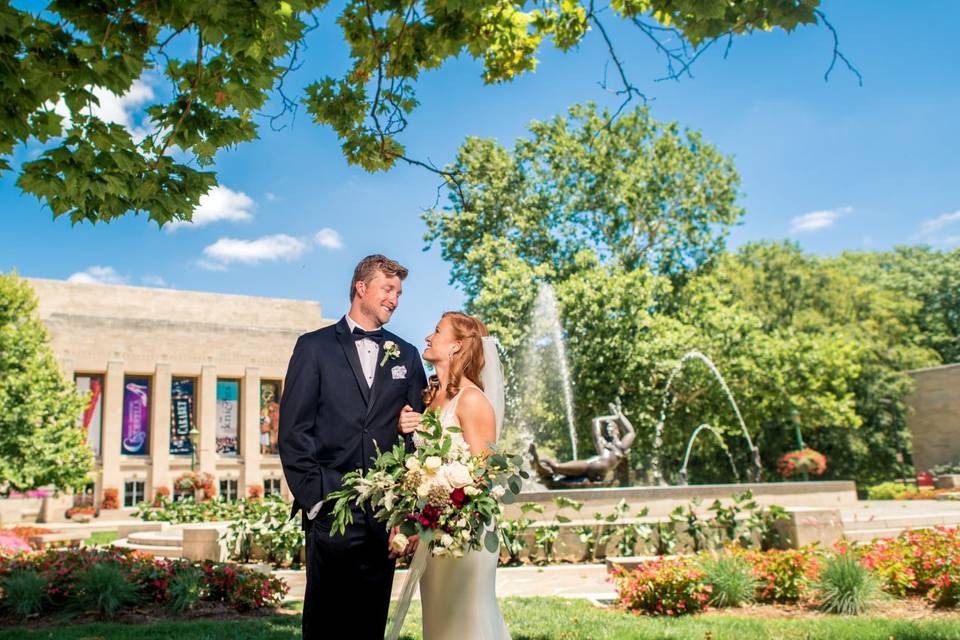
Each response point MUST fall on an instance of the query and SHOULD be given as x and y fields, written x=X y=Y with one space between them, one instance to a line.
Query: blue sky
x=830 y=164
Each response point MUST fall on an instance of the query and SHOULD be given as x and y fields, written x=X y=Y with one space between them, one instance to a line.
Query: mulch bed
x=902 y=609
x=142 y=615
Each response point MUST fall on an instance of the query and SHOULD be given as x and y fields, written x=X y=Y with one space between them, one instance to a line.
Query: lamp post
x=194 y=437
x=795 y=418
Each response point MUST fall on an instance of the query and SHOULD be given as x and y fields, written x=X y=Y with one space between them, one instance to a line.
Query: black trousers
x=349 y=579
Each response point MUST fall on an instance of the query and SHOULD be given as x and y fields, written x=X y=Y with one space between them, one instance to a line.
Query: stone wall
x=934 y=418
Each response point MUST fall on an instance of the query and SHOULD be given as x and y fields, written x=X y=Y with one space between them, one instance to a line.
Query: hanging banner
x=228 y=417
x=181 y=416
x=136 y=416
x=91 y=420
x=269 y=417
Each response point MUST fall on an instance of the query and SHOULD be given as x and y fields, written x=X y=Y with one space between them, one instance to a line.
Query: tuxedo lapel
x=350 y=351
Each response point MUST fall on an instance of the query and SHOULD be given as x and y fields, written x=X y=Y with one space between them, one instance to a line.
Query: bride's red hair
x=467 y=362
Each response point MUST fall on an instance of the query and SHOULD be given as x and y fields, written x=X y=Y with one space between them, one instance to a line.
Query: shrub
x=105 y=588
x=242 y=588
x=889 y=491
x=783 y=575
x=192 y=481
x=730 y=578
x=25 y=592
x=254 y=492
x=922 y=563
x=161 y=496
x=846 y=586
x=185 y=589
x=110 y=499
x=662 y=588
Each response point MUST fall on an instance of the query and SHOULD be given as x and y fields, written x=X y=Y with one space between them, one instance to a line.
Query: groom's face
x=379 y=297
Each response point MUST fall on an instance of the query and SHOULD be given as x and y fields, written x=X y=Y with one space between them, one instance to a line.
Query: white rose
x=413 y=464
x=462 y=522
x=457 y=475
x=471 y=490
x=432 y=464
x=497 y=492
x=424 y=489
x=399 y=542
x=446 y=540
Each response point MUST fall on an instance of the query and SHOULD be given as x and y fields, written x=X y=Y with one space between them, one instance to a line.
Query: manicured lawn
x=544 y=619
x=100 y=538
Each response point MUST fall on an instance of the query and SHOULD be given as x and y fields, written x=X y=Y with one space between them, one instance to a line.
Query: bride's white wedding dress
x=459 y=595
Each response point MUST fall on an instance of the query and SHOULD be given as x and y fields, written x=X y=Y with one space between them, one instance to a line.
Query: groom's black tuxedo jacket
x=330 y=418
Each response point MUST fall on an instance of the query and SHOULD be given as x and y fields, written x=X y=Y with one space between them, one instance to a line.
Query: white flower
x=462 y=522
x=446 y=540
x=399 y=542
x=388 y=499
x=432 y=464
x=390 y=350
x=413 y=464
x=497 y=492
x=457 y=475
x=424 y=489
x=471 y=490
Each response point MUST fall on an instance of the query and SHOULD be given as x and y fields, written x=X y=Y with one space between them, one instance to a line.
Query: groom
x=344 y=389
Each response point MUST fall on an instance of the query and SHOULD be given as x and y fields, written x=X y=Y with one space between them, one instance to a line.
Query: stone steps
x=157 y=550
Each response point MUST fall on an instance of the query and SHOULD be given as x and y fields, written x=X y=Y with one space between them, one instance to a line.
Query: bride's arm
x=477 y=420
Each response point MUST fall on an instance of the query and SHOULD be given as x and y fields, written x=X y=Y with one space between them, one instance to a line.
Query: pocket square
x=399 y=372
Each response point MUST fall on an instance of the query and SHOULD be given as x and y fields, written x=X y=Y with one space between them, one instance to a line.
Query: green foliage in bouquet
x=442 y=492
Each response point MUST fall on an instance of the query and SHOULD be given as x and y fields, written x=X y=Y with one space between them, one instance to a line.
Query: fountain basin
x=831 y=494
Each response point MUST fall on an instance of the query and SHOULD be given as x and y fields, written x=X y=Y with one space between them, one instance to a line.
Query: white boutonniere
x=390 y=350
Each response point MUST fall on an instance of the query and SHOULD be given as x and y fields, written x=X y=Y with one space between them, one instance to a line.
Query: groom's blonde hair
x=367 y=269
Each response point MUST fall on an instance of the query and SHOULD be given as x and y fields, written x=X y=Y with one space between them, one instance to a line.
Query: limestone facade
x=119 y=333
x=934 y=417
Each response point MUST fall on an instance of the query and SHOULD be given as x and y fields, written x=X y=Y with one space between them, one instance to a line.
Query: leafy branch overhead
x=224 y=60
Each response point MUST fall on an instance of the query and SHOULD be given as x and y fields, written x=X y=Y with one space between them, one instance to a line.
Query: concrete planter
x=947 y=481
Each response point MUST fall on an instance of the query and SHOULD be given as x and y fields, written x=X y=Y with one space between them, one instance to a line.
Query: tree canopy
x=224 y=60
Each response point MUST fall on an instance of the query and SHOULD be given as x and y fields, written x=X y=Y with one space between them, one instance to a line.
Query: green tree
x=40 y=442
x=223 y=60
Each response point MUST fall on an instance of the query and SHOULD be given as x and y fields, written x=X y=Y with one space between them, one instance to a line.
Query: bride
x=458 y=595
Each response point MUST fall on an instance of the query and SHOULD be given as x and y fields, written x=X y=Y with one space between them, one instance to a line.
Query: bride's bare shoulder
x=474 y=402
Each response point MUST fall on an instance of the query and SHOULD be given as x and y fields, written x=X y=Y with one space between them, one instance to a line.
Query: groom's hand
x=409 y=420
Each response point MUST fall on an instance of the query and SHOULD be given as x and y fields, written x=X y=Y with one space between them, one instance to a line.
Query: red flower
x=458 y=497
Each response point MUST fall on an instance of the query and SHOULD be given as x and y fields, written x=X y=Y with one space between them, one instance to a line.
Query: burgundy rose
x=458 y=497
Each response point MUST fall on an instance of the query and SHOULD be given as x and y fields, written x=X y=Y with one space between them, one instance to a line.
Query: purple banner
x=136 y=416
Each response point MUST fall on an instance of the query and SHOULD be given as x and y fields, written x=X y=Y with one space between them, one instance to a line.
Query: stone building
x=934 y=419
x=163 y=365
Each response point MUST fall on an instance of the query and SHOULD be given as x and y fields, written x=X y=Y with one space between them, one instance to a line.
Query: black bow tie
x=375 y=335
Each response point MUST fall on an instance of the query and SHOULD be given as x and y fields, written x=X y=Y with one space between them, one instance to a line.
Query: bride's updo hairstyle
x=467 y=362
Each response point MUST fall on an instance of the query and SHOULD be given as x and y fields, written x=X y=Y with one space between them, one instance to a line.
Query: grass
x=541 y=619
x=98 y=538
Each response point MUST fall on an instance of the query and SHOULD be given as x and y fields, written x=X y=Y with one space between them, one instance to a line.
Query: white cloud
x=817 y=220
x=220 y=203
x=268 y=248
x=929 y=227
x=116 y=109
x=98 y=275
x=154 y=281
x=329 y=238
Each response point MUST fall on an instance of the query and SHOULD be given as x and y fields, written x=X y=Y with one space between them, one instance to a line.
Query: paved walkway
x=565 y=581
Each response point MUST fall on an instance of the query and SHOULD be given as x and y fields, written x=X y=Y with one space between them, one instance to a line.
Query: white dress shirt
x=368 y=350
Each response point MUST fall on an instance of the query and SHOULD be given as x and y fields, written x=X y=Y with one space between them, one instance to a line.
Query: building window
x=229 y=489
x=133 y=492
x=91 y=420
x=135 y=435
x=228 y=417
x=271 y=486
x=269 y=416
x=182 y=415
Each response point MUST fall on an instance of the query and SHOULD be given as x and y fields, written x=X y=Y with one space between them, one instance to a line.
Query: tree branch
x=837 y=54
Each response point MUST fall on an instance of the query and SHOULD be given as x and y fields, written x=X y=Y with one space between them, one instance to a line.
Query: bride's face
x=441 y=342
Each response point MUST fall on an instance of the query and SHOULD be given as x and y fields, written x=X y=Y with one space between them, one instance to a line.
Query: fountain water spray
x=658 y=436
x=723 y=445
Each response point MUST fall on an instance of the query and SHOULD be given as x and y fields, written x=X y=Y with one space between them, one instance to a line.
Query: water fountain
x=658 y=478
x=723 y=445
x=546 y=329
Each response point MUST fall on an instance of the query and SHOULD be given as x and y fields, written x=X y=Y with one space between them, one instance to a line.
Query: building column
x=250 y=425
x=112 y=428
x=159 y=431
x=207 y=420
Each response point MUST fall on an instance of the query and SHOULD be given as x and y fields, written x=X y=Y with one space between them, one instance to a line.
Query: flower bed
x=924 y=564
x=64 y=575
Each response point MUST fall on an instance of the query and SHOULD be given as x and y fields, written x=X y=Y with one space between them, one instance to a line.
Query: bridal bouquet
x=442 y=492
